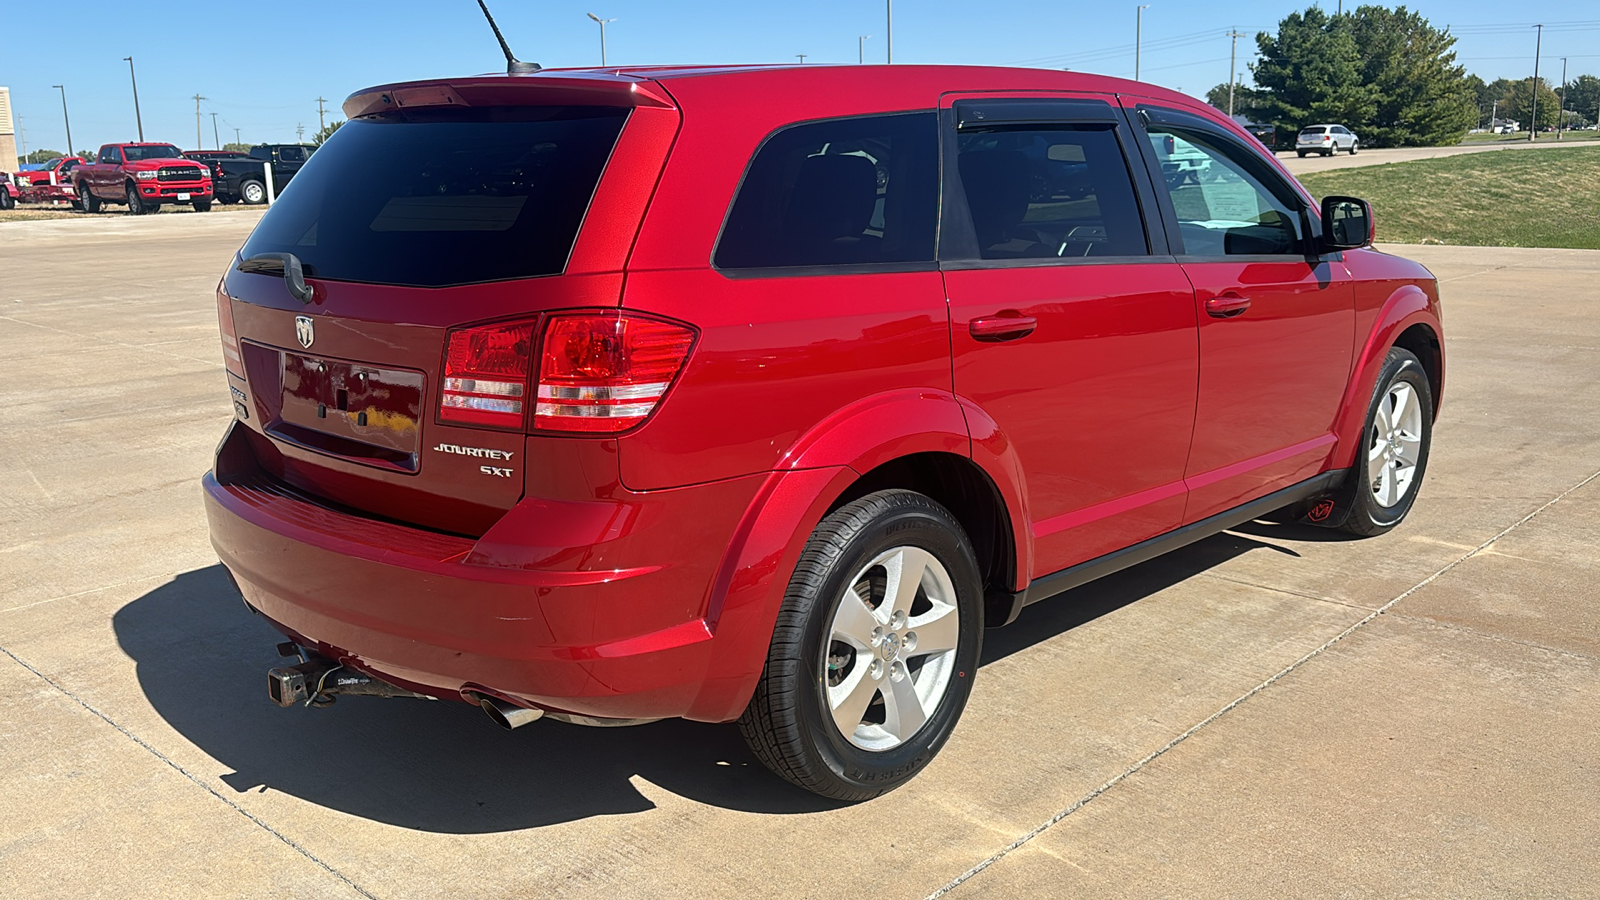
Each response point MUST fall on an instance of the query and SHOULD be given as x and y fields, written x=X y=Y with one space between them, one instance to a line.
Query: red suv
x=758 y=393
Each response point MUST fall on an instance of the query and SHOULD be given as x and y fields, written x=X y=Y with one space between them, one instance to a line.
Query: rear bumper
x=611 y=624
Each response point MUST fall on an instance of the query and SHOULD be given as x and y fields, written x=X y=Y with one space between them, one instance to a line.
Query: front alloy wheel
x=873 y=654
x=1399 y=435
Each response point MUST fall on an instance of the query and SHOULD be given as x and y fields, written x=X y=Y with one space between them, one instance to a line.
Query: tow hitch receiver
x=317 y=681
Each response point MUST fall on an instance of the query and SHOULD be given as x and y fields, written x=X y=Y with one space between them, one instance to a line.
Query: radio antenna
x=514 y=66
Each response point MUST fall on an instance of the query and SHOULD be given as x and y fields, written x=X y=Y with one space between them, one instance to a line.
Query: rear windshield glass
x=444 y=198
x=1313 y=132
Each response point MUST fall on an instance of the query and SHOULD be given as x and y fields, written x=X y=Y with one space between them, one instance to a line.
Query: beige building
x=8 y=134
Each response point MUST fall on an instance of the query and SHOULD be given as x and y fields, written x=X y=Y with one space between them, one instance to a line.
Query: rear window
x=444 y=197
x=1313 y=132
x=841 y=192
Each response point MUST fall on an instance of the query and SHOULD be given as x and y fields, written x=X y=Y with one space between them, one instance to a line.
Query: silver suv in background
x=1325 y=139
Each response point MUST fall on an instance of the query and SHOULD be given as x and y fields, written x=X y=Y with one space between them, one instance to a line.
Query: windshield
x=151 y=151
x=444 y=197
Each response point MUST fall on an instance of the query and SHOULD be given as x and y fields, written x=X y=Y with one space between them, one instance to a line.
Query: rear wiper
x=286 y=264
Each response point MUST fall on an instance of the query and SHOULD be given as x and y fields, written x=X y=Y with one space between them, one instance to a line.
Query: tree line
x=1392 y=77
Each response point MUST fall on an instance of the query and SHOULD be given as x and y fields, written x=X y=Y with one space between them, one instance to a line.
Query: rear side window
x=291 y=154
x=445 y=197
x=1050 y=192
x=837 y=193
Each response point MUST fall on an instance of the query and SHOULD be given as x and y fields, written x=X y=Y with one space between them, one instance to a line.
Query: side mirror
x=1346 y=223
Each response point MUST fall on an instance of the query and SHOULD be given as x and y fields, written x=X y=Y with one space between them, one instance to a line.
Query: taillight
x=230 y=337
x=606 y=372
x=486 y=369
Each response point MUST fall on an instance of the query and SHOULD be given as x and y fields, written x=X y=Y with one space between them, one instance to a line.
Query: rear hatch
x=432 y=240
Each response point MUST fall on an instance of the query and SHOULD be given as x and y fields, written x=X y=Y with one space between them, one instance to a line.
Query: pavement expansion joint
x=197 y=780
x=215 y=363
x=1122 y=776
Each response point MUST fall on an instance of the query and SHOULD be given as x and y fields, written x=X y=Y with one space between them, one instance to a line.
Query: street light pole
x=861 y=49
x=1138 y=37
x=888 y=34
x=602 y=23
x=139 y=120
x=66 y=118
x=1533 y=120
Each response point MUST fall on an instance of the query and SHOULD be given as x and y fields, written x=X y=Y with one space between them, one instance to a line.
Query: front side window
x=1042 y=192
x=108 y=155
x=837 y=193
x=1223 y=208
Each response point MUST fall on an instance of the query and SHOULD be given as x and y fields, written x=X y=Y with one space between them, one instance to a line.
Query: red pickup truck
x=53 y=183
x=143 y=176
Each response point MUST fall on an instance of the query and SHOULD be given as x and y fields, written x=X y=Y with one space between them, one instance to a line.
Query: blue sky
x=264 y=80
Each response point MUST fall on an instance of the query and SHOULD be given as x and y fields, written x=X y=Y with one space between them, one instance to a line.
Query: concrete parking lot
x=1272 y=712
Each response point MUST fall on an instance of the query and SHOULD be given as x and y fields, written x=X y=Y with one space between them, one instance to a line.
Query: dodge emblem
x=303 y=331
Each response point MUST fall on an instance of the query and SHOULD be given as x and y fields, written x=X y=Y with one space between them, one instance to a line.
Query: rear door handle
x=1226 y=306
x=1002 y=327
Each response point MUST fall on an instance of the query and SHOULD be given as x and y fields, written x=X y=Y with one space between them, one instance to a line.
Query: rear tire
x=91 y=203
x=6 y=200
x=1301 y=153
x=202 y=206
x=227 y=199
x=868 y=671
x=1327 y=153
x=253 y=192
x=1393 y=458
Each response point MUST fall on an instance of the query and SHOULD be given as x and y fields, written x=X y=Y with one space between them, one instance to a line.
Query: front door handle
x=1227 y=306
x=1002 y=327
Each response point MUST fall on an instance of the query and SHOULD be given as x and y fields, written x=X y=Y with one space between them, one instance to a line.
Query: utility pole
x=198 y=140
x=1493 y=114
x=1233 y=56
x=602 y=23
x=1138 y=37
x=1533 y=119
x=22 y=135
x=299 y=132
x=139 y=120
x=802 y=58
x=236 y=138
x=888 y=33
x=1561 y=114
x=215 y=137
x=861 y=49
x=320 y=123
x=66 y=118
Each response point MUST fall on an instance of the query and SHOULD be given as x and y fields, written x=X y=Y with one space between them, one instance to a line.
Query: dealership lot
x=1270 y=712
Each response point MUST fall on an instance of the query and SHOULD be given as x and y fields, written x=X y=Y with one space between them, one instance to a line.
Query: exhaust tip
x=506 y=715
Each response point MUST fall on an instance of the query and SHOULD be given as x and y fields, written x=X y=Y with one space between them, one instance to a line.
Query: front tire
x=874 y=651
x=1399 y=430
x=1353 y=145
x=202 y=206
x=136 y=206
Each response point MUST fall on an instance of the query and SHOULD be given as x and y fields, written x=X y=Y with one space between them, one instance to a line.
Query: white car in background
x=1325 y=139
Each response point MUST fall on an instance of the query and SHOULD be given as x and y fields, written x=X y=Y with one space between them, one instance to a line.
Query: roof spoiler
x=521 y=90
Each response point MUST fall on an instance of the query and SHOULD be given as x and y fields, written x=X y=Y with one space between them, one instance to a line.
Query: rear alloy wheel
x=253 y=192
x=136 y=206
x=1399 y=433
x=874 y=651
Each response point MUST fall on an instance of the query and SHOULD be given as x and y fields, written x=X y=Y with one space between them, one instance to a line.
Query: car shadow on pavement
x=444 y=767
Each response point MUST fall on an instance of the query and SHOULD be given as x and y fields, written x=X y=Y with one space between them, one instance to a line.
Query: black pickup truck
x=245 y=179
